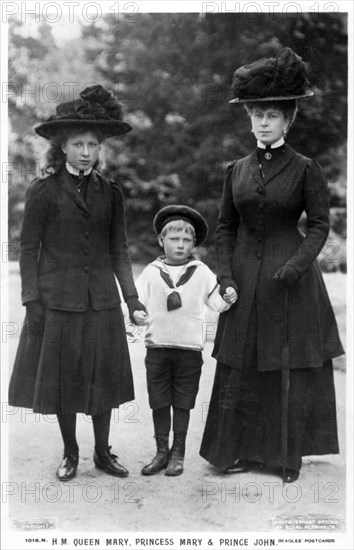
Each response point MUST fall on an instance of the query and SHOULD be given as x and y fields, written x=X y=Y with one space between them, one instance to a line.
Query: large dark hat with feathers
x=96 y=108
x=273 y=79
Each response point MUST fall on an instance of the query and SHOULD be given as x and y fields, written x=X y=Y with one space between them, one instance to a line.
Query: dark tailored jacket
x=71 y=248
x=256 y=234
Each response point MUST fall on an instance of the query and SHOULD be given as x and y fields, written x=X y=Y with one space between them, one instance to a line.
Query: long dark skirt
x=244 y=416
x=74 y=362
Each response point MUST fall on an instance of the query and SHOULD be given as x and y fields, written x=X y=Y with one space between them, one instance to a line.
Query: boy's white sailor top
x=183 y=327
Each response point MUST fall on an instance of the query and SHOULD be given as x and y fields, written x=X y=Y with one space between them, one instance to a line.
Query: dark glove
x=226 y=282
x=287 y=276
x=134 y=305
x=35 y=312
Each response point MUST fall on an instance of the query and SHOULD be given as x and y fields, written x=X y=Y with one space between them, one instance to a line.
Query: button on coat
x=72 y=249
x=294 y=184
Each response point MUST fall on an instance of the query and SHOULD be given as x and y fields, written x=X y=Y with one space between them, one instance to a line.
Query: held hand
x=140 y=317
x=287 y=276
x=230 y=295
x=134 y=305
x=225 y=282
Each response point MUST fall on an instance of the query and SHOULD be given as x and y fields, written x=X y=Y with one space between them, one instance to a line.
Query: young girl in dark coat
x=273 y=399
x=73 y=354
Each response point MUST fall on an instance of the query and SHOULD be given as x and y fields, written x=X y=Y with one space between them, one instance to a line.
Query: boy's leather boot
x=159 y=462
x=176 y=459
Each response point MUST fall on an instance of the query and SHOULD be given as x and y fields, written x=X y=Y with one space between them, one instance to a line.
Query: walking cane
x=285 y=384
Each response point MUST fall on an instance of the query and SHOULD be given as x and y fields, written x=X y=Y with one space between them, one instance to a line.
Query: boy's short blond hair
x=178 y=225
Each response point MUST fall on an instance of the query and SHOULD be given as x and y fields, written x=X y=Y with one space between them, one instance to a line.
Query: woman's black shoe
x=291 y=475
x=238 y=467
x=67 y=468
x=108 y=462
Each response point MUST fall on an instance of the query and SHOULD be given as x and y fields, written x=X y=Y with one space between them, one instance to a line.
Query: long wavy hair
x=55 y=156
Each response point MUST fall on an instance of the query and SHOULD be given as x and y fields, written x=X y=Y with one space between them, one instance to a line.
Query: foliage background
x=172 y=72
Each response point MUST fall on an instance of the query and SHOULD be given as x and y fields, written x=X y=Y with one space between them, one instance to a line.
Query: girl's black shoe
x=108 y=462
x=68 y=466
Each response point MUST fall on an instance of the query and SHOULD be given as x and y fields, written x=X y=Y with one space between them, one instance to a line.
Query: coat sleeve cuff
x=33 y=297
x=134 y=305
x=291 y=263
x=225 y=282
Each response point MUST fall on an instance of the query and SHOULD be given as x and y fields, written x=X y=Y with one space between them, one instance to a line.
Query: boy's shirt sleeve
x=142 y=285
x=213 y=299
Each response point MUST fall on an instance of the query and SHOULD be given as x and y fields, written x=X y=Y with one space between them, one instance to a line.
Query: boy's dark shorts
x=173 y=376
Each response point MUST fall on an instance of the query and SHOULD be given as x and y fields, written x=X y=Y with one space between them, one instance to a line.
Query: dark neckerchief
x=174 y=300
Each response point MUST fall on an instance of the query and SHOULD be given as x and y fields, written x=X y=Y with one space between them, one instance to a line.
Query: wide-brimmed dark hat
x=182 y=212
x=274 y=79
x=96 y=109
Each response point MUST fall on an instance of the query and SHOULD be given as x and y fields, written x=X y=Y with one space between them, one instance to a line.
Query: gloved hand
x=35 y=312
x=226 y=282
x=287 y=276
x=134 y=305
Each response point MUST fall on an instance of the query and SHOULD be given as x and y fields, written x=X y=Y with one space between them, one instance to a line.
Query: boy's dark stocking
x=180 y=427
x=180 y=420
x=162 y=420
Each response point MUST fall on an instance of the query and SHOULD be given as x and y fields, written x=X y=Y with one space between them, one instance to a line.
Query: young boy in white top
x=175 y=289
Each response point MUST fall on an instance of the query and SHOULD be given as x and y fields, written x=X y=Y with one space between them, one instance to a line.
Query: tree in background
x=38 y=73
x=173 y=73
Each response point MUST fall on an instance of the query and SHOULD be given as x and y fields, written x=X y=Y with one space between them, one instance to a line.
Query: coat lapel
x=92 y=189
x=278 y=164
x=275 y=166
x=69 y=188
x=253 y=168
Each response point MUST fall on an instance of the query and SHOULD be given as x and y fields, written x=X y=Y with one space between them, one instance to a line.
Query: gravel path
x=201 y=500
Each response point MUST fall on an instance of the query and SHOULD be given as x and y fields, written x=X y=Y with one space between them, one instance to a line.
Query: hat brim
x=49 y=129
x=309 y=93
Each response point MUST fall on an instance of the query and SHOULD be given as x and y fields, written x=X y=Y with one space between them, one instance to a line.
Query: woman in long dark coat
x=73 y=354
x=273 y=399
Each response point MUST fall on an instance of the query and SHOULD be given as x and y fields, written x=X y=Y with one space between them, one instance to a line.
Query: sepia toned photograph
x=176 y=284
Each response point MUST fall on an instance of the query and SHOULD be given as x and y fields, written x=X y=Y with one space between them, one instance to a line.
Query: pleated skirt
x=73 y=362
x=245 y=412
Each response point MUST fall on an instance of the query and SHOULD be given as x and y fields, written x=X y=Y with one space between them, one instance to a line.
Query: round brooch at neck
x=268 y=156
